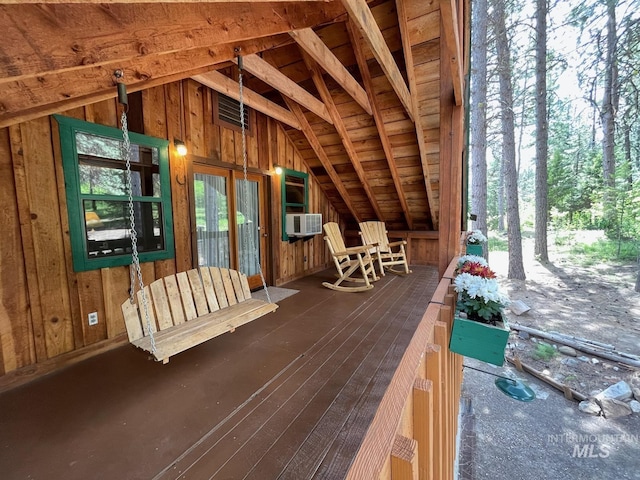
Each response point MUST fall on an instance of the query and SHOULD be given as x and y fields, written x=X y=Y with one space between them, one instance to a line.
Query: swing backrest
x=176 y=299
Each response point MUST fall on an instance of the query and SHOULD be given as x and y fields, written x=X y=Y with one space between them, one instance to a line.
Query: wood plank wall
x=43 y=302
x=292 y=260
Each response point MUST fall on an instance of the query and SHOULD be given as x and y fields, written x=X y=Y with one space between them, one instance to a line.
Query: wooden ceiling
x=358 y=86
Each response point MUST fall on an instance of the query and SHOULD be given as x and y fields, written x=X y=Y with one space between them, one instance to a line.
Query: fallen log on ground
x=578 y=346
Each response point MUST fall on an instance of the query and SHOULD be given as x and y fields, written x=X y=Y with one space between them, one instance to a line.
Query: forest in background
x=555 y=121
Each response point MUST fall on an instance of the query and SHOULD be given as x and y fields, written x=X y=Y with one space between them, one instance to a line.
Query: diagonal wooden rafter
x=31 y=98
x=287 y=87
x=408 y=57
x=322 y=156
x=449 y=13
x=223 y=84
x=356 y=41
x=321 y=86
x=315 y=48
x=361 y=15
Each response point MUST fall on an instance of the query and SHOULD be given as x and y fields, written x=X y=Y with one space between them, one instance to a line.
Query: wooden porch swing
x=181 y=311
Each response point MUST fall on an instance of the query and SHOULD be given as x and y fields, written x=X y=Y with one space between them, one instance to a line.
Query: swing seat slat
x=190 y=308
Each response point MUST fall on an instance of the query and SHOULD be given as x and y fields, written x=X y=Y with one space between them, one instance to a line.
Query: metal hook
x=122 y=88
x=237 y=50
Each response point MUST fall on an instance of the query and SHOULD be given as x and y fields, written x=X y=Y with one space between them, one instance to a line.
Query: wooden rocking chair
x=375 y=233
x=354 y=264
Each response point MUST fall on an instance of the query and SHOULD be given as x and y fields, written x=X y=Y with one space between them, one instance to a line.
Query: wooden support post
x=423 y=415
x=518 y=364
x=567 y=392
x=404 y=459
x=434 y=373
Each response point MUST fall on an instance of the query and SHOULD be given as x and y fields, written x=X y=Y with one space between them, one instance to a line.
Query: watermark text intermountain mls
x=591 y=445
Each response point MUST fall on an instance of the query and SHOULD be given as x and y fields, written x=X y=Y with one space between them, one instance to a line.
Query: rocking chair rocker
x=354 y=264
x=375 y=233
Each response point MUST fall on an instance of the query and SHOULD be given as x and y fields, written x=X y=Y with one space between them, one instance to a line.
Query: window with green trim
x=97 y=198
x=294 y=186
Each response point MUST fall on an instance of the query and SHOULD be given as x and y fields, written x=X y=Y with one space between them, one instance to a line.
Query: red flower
x=476 y=269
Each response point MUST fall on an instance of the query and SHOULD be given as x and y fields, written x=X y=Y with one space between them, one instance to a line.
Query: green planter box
x=479 y=340
x=474 y=249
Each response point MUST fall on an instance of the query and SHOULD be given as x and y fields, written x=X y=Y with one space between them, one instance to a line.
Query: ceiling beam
x=33 y=97
x=356 y=41
x=54 y=2
x=321 y=86
x=223 y=84
x=46 y=38
x=449 y=13
x=322 y=156
x=313 y=45
x=411 y=76
x=361 y=15
x=287 y=87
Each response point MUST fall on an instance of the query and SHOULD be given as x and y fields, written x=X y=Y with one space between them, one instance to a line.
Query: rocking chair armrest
x=395 y=244
x=352 y=250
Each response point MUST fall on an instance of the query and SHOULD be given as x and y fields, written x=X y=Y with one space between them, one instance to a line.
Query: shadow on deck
x=290 y=395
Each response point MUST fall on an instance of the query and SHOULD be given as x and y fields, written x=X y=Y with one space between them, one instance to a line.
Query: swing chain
x=134 y=268
x=248 y=238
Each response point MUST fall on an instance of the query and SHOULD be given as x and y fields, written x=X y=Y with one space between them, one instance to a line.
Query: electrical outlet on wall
x=93 y=318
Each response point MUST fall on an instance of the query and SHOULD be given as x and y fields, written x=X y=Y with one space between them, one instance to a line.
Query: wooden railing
x=413 y=434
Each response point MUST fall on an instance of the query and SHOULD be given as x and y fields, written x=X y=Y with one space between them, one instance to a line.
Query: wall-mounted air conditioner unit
x=303 y=224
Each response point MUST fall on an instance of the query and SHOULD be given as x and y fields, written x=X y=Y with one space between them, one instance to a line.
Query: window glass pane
x=294 y=189
x=295 y=209
x=248 y=226
x=96 y=146
x=102 y=170
x=105 y=147
x=212 y=220
x=107 y=227
x=102 y=177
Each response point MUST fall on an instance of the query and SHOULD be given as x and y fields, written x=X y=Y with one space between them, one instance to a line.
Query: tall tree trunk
x=628 y=157
x=607 y=115
x=516 y=267
x=479 y=116
x=542 y=133
x=501 y=196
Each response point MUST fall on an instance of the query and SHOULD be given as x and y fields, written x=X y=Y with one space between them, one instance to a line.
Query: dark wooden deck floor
x=287 y=396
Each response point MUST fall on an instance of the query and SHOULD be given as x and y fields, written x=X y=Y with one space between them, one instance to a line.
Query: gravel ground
x=550 y=438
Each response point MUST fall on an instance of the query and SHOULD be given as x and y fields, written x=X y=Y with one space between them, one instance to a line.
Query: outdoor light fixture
x=510 y=387
x=181 y=148
x=278 y=170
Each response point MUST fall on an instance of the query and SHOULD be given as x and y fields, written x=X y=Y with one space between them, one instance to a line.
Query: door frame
x=231 y=175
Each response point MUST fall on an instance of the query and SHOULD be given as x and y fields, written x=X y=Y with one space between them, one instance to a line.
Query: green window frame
x=294 y=186
x=152 y=203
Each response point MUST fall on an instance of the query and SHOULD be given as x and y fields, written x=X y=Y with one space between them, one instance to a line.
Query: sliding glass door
x=230 y=222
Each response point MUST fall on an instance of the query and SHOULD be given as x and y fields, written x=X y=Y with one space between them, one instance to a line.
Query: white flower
x=472 y=258
x=485 y=289
x=475 y=237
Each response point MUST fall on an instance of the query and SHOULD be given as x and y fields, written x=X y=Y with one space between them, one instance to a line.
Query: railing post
x=404 y=459
x=434 y=373
x=441 y=335
x=423 y=415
